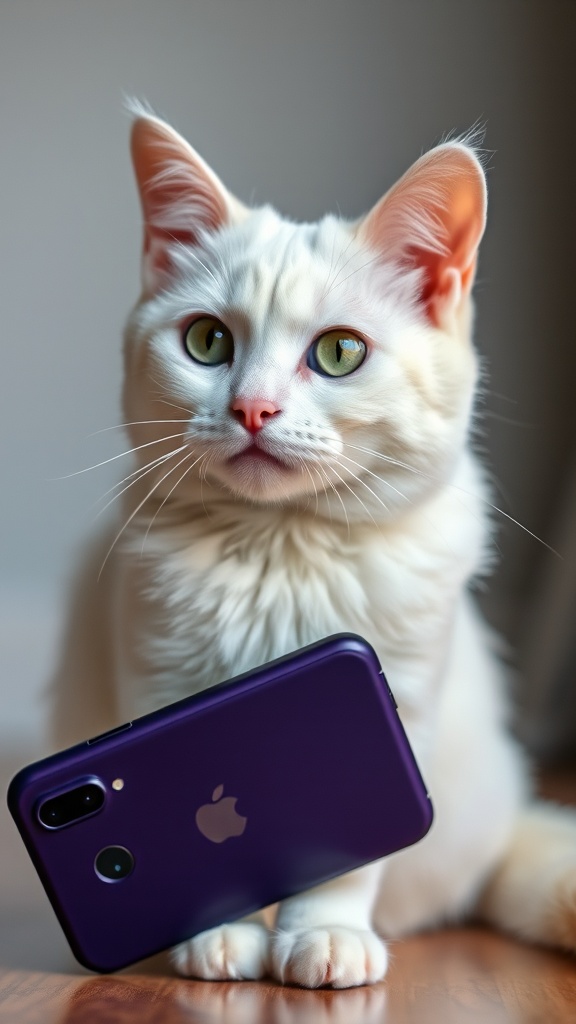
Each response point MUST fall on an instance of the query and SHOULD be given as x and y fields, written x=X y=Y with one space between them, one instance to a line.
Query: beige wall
x=313 y=105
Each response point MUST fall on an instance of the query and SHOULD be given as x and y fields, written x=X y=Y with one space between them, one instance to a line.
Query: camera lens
x=114 y=863
x=71 y=806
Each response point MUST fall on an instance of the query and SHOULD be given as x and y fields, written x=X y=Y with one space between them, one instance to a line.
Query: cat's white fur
x=375 y=524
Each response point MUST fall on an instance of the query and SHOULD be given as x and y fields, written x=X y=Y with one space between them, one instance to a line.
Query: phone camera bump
x=114 y=863
x=71 y=806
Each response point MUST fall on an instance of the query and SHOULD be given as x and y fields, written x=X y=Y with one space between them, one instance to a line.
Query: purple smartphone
x=222 y=803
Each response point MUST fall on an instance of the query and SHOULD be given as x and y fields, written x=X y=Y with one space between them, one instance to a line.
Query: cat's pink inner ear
x=181 y=196
x=434 y=219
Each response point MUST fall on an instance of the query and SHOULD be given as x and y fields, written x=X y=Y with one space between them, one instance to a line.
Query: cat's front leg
x=325 y=937
x=232 y=952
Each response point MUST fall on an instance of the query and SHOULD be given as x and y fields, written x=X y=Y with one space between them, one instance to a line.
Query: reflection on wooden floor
x=447 y=977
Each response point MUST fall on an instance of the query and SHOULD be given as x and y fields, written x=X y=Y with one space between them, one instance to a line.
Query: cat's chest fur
x=224 y=593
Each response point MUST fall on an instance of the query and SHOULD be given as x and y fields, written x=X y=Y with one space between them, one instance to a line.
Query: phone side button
x=390 y=694
x=110 y=732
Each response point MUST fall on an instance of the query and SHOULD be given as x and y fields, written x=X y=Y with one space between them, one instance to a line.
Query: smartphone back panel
x=227 y=801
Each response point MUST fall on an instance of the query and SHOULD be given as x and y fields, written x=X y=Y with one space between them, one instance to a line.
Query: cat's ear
x=181 y=197
x=433 y=219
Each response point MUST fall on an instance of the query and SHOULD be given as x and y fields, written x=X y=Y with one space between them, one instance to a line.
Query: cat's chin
x=255 y=460
x=255 y=475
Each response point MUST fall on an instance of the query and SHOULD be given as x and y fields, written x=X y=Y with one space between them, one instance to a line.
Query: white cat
x=298 y=398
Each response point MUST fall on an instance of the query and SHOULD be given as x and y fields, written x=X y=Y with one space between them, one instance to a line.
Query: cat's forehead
x=278 y=270
x=268 y=276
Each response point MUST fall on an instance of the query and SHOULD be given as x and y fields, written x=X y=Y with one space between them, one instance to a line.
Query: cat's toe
x=230 y=952
x=335 y=956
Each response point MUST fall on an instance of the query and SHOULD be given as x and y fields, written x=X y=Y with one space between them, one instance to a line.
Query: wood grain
x=454 y=976
x=447 y=977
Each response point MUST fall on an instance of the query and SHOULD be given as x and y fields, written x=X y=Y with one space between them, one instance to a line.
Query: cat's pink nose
x=252 y=412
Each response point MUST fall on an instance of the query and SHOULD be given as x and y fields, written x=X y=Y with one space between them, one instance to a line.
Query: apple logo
x=220 y=819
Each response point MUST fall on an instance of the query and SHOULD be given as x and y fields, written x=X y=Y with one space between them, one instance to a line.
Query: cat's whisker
x=363 y=482
x=368 y=263
x=137 y=509
x=510 y=519
x=375 y=475
x=329 y=274
x=307 y=468
x=498 y=394
x=385 y=458
x=128 y=451
x=163 y=391
x=204 y=466
x=302 y=465
x=340 y=266
x=160 y=399
x=333 y=273
x=202 y=473
x=170 y=492
x=323 y=479
x=461 y=490
x=338 y=495
x=132 y=423
x=490 y=414
x=433 y=525
x=173 y=405
x=352 y=492
x=139 y=474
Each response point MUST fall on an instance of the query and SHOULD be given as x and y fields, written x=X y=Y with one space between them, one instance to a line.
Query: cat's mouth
x=254 y=455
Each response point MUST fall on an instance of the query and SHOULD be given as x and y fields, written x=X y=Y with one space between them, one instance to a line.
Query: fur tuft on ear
x=181 y=197
x=434 y=219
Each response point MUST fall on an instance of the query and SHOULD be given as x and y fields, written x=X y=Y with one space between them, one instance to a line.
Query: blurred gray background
x=313 y=105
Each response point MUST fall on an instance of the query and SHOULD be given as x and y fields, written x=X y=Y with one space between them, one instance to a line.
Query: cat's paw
x=230 y=952
x=340 y=957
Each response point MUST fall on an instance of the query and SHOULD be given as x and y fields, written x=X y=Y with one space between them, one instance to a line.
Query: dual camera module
x=71 y=806
x=111 y=864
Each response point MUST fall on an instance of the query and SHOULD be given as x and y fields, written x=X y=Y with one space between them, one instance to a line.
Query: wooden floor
x=448 y=977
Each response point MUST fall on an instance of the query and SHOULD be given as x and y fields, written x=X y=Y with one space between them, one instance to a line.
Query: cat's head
x=327 y=363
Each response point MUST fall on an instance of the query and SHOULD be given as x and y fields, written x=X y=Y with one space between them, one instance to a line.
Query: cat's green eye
x=209 y=341
x=337 y=353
